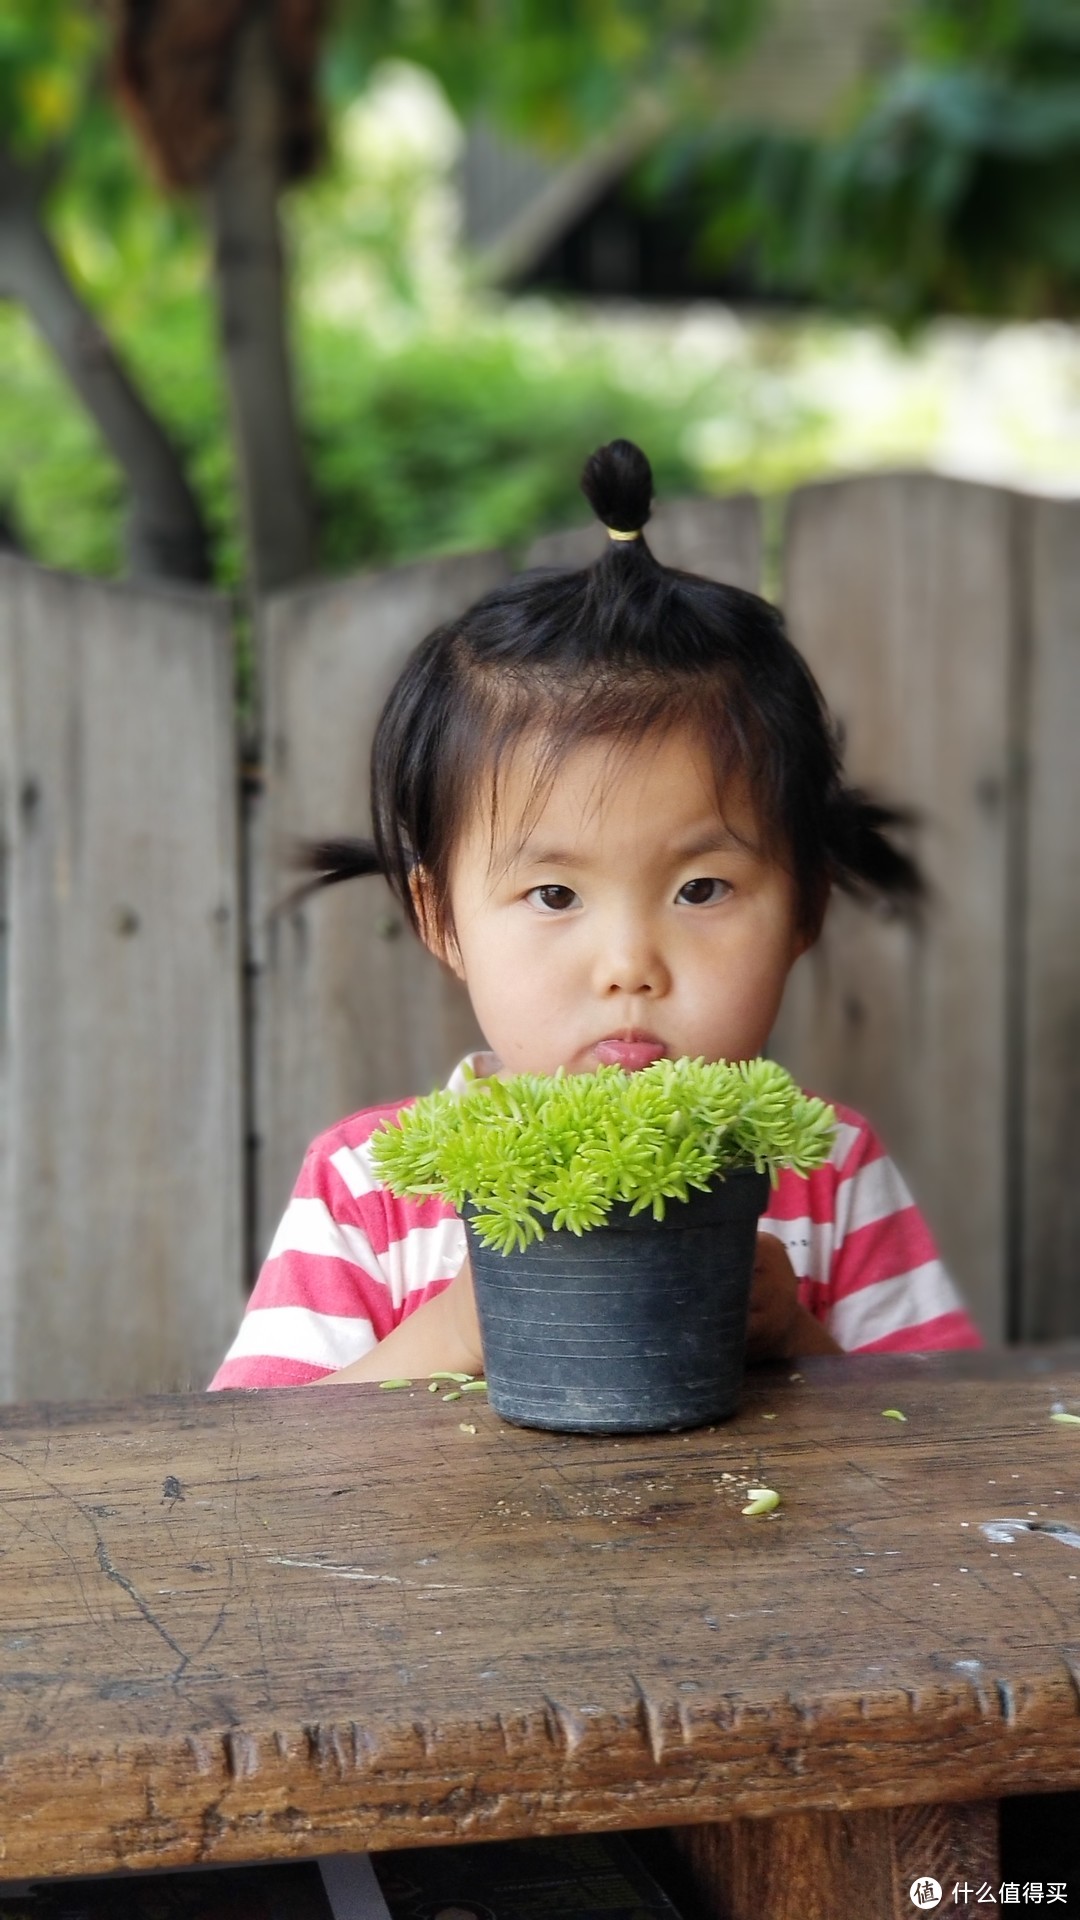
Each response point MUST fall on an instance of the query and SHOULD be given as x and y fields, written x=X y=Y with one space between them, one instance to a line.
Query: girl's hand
x=462 y=1324
x=442 y=1334
x=778 y=1327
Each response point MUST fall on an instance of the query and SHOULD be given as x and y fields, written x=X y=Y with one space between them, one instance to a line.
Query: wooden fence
x=152 y=1054
x=120 y=1084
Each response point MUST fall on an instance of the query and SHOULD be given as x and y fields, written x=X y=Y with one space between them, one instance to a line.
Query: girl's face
x=628 y=918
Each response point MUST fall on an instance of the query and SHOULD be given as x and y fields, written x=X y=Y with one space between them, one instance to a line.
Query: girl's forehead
x=539 y=781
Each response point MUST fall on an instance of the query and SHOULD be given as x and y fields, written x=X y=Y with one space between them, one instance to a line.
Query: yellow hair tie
x=615 y=533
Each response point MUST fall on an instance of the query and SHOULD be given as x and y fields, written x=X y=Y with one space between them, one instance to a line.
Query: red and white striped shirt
x=350 y=1261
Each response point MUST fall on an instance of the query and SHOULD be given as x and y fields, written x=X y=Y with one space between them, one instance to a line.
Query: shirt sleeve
x=348 y=1263
x=887 y=1290
x=321 y=1299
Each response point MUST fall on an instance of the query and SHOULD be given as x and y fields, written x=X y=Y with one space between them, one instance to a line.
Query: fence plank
x=8 y=1286
x=1049 y=1009
x=350 y=1009
x=900 y=592
x=718 y=537
x=122 y=1073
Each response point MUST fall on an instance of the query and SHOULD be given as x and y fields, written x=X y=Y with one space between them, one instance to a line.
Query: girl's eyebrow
x=712 y=840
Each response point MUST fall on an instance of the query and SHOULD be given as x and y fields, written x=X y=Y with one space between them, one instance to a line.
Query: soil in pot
x=637 y=1326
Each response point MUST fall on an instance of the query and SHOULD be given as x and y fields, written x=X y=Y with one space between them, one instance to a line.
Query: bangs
x=553 y=724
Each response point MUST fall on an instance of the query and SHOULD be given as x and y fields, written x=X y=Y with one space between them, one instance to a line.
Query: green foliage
x=58 y=486
x=434 y=423
x=422 y=437
x=56 y=117
x=48 y=52
x=952 y=187
x=139 y=262
x=456 y=439
x=557 y=73
x=63 y=491
x=533 y=1153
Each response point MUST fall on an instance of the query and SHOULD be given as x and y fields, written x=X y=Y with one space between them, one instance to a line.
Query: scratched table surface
x=246 y=1626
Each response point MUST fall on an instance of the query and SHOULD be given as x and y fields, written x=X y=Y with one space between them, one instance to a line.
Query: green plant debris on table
x=762 y=1500
x=534 y=1152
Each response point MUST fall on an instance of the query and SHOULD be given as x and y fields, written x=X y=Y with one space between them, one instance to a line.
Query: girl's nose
x=630 y=961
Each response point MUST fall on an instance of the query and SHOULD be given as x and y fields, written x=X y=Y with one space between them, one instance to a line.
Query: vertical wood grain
x=839 y=1866
x=350 y=1008
x=720 y=538
x=900 y=590
x=8 y=1292
x=121 y=1082
x=1049 y=1000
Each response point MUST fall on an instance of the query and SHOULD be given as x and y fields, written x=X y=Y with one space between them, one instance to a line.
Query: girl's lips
x=629 y=1054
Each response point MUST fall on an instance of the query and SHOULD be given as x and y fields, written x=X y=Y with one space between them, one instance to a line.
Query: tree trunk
x=165 y=535
x=250 y=277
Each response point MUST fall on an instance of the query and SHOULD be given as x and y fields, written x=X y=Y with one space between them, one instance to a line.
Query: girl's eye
x=703 y=893
x=553 y=899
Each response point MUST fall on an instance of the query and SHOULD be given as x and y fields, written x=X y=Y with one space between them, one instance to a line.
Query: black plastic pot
x=638 y=1326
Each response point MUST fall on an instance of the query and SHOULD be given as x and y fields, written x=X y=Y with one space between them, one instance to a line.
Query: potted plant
x=611 y=1221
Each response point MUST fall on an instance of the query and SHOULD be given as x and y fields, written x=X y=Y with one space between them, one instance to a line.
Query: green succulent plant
x=534 y=1152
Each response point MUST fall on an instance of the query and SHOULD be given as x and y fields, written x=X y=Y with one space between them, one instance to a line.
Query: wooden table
x=268 y=1626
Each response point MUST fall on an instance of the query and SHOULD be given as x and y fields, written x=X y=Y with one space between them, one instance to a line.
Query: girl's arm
x=443 y=1334
x=326 y=1294
x=779 y=1328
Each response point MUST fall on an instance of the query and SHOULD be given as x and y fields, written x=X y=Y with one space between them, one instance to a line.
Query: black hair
x=618 y=650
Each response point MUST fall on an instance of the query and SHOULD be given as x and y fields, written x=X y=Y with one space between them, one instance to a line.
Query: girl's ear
x=442 y=946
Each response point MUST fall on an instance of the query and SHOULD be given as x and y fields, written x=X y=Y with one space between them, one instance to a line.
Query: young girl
x=611 y=801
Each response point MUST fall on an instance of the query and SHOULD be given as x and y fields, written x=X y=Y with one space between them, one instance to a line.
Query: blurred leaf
x=49 y=53
x=952 y=187
x=556 y=70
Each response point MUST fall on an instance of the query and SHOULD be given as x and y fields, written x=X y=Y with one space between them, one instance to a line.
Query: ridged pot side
x=637 y=1326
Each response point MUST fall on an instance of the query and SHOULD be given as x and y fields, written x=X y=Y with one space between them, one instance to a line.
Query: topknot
x=618 y=484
